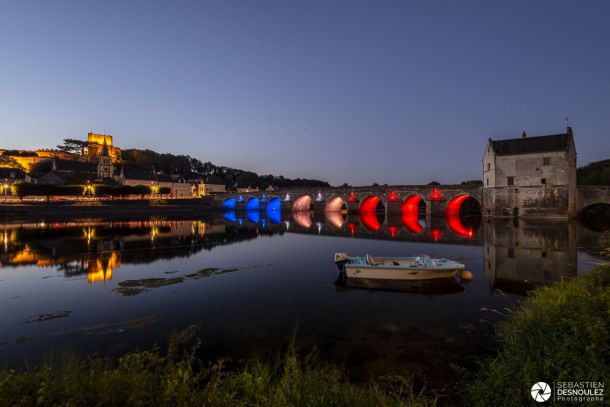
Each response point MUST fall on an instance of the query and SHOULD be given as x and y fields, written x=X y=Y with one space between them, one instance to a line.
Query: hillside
x=596 y=173
x=192 y=168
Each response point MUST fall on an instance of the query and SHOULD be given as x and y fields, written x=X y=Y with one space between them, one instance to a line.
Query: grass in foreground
x=560 y=334
x=147 y=379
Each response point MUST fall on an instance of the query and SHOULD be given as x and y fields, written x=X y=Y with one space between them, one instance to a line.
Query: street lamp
x=5 y=187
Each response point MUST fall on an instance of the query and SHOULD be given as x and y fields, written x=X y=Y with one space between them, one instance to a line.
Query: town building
x=211 y=185
x=530 y=176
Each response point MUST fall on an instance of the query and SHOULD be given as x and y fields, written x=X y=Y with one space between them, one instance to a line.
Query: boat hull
x=389 y=273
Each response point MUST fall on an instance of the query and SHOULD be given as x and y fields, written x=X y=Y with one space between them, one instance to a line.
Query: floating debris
x=130 y=288
x=46 y=317
x=112 y=327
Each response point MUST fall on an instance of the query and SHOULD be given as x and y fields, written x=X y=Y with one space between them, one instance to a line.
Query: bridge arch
x=302 y=203
x=335 y=204
x=372 y=204
x=274 y=204
x=596 y=216
x=229 y=203
x=412 y=208
x=463 y=204
x=253 y=204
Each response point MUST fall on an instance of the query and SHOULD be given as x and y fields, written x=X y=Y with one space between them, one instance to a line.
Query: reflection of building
x=518 y=257
x=100 y=269
x=530 y=176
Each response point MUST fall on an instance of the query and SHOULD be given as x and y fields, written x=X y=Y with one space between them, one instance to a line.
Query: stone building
x=530 y=176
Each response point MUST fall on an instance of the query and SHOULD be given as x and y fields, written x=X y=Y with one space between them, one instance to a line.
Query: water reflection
x=516 y=257
x=284 y=277
x=96 y=249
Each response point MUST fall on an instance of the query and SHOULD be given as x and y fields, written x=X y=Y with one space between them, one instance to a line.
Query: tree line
x=193 y=168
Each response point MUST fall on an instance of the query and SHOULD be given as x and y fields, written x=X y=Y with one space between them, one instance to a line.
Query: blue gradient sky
x=347 y=91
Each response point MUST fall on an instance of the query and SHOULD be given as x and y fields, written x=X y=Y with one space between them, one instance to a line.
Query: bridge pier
x=435 y=208
x=353 y=207
x=393 y=207
x=318 y=206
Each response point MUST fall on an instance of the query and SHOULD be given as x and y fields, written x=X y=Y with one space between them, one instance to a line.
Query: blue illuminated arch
x=230 y=216
x=253 y=204
x=229 y=203
x=253 y=215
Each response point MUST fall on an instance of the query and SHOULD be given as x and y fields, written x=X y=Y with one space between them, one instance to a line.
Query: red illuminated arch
x=370 y=204
x=334 y=204
x=454 y=206
x=410 y=214
x=452 y=215
x=302 y=203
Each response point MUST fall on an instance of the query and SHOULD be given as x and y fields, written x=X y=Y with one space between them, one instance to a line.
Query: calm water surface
x=266 y=278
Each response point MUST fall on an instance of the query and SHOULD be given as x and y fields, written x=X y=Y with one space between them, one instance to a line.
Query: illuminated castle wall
x=96 y=143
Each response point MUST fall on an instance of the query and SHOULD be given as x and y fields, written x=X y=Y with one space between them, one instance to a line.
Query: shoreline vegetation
x=559 y=334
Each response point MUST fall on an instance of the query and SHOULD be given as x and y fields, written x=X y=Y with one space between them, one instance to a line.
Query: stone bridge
x=389 y=200
x=404 y=200
x=591 y=195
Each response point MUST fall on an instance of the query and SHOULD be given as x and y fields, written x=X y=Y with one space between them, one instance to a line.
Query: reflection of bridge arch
x=455 y=224
x=302 y=218
x=596 y=216
x=302 y=203
x=336 y=219
x=335 y=204
x=372 y=220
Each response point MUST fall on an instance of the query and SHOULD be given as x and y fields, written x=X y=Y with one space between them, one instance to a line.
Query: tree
x=434 y=183
x=73 y=146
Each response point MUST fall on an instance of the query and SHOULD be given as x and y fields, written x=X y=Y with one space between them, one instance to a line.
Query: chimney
x=523 y=135
x=569 y=131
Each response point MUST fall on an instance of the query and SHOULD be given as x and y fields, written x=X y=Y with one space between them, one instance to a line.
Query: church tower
x=105 y=168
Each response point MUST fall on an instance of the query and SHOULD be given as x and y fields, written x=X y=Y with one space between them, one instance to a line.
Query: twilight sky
x=347 y=91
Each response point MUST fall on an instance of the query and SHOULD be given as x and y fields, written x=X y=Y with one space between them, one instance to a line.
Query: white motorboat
x=421 y=267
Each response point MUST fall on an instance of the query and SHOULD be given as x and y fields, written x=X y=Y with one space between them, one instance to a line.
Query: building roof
x=66 y=166
x=135 y=173
x=215 y=179
x=528 y=145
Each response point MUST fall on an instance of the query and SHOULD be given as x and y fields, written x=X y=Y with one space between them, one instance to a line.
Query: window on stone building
x=510 y=181
x=543 y=180
x=488 y=166
x=546 y=161
x=487 y=181
x=511 y=252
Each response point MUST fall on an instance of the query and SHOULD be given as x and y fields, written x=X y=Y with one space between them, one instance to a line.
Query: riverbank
x=560 y=334
x=178 y=379
x=117 y=209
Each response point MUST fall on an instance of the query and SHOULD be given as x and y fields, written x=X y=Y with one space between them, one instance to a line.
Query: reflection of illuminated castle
x=101 y=269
